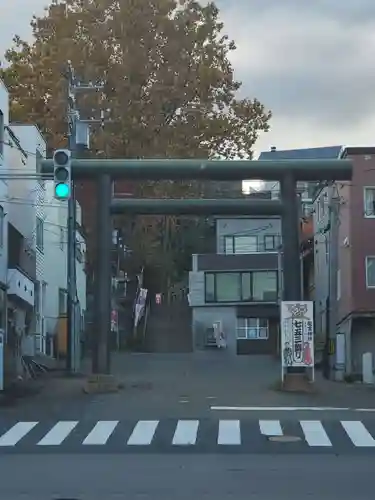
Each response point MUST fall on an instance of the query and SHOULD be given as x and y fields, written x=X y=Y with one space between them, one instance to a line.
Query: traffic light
x=62 y=170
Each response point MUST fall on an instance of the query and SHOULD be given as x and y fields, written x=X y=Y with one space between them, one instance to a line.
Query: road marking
x=279 y=408
x=270 y=427
x=58 y=433
x=358 y=433
x=143 y=433
x=314 y=432
x=186 y=432
x=16 y=433
x=101 y=432
x=229 y=432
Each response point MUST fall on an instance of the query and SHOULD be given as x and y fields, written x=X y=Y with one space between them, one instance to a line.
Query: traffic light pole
x=72 y=359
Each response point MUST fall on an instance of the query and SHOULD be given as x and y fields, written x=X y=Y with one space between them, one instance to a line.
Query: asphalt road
x=183 y=477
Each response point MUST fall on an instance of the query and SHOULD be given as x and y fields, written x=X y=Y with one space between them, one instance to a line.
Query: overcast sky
x=311 y=62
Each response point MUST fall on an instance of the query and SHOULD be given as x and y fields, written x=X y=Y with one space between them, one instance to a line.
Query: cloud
x=311 y=63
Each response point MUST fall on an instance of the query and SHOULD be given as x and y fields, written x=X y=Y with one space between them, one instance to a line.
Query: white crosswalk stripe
x=270 y=427
x=358 y=433
x=58 y=433
x=101 y=432
x=315 y=433
x=186 y=432
x=143 y=433
x=16 y=433
x=229 y=432
x=189 y=433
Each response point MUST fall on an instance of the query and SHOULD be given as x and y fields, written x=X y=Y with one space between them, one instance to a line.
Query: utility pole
x=333 y=261
x=73 y=117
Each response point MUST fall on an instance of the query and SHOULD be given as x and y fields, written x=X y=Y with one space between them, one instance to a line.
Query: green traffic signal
x=62 y=190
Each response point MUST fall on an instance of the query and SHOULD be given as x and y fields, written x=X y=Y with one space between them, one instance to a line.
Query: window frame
x=276 y=242
x=368 y=257
x=232 y=238
x=365 y=189
x=211 y=275
x=258 y=328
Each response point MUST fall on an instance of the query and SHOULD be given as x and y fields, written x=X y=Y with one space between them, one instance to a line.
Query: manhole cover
x=284 y=439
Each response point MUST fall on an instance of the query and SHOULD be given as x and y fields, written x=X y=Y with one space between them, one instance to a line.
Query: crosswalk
x=203 y=435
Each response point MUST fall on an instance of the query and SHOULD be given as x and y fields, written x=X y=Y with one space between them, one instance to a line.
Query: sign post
x=297 y=336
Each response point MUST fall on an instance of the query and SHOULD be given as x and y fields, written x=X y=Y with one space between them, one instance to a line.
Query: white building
x=33 y=249
x=26 y=199
x=55 y=236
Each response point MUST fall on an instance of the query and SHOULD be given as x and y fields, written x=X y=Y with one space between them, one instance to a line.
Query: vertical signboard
x=297 y=335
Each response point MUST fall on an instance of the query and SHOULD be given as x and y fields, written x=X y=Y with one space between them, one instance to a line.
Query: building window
x=2 y=226
x=370 y=272
x=63 y=302
x=252 y=329
x=264 y=285
x=369 y=201
x=240 y=244
x=259 y=286
x=39 y=234
x=271 y=242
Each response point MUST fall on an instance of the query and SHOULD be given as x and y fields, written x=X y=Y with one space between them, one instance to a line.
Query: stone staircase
x=169 y=328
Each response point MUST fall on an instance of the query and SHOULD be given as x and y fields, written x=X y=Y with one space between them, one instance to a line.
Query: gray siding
x=240 y=262
x=245 y=226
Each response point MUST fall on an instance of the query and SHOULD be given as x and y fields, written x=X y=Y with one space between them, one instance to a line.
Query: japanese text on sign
x=297 y=334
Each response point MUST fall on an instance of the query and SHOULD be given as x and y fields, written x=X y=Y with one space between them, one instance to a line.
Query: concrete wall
x=245 y=226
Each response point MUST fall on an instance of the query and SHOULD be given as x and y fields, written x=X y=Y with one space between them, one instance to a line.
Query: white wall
x=4 y=152
x=55 y=239
x=33 y=143
x=55 y=256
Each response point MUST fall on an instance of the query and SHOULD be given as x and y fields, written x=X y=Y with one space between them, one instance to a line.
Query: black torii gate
x=287 y=172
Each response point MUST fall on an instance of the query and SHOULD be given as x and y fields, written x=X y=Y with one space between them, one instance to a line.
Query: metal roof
x=326 y=153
